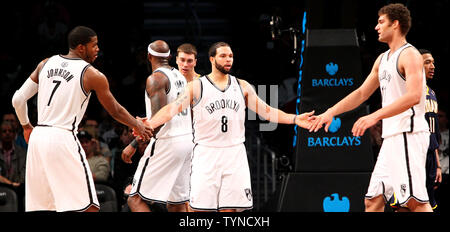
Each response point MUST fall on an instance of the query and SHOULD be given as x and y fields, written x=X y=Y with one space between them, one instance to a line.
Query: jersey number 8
x=224 y=124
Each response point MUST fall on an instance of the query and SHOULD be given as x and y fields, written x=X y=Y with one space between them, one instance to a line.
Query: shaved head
x=158 y=54
x=160 y=46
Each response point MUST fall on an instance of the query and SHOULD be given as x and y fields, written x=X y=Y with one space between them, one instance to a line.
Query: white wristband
x=20 y=98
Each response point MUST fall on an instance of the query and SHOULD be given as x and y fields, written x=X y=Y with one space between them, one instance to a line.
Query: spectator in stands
x=125 y=138
x=18 y=139
x=12 y=161
x=123 y=172
x=12 y=157
x=442 y=191
x=91 y=126
x=443 y=148
x=97 y=162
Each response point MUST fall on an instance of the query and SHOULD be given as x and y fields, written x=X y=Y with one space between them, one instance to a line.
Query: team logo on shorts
x=403 y=189
x=248 y=193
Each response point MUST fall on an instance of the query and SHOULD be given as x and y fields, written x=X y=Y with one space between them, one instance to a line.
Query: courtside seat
x=107 y=198
x=8 y=200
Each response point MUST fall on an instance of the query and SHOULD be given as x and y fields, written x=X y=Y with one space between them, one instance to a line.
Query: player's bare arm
x=271 y=114
x=184 y=100
x=410 y=64
x=94 y=80
x=156 y=88
x=350 y=102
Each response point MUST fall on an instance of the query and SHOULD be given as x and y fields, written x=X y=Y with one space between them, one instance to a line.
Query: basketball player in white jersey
x=187 y=60
x=400 y=168
x=163 y=172
x=58 y=177
x=220 y=178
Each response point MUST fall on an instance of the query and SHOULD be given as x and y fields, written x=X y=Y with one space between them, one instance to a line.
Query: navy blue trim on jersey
x=152 y=152
x=91 y=200
x=201 y=94
x=387 y=58
x=177 y=202
x=81 y=79
x=192 y=158
x=202 y=209
x=226 y=87
x=42 y=67
x=84 y=101
x=85 y=208
x=44 y=125
x=236 y=207
x=158 y=201
x=145 y=167
x=405 y=140
x=68 y=58
x=168 y=79
x=240 y=87
x=39 y=81
x=407 y=45
x=142 y=175
x=412 y=119
x=383 y=193
x=415 y=198
x=221 y=208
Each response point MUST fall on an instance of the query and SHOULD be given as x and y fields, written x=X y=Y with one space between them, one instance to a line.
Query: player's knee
x=133 y=200
x=368 y=203
x=92 y=208
x=176 y=208
x=374 y=204
x=416 y=206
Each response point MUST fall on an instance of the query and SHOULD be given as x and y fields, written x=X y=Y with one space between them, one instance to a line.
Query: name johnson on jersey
x=66 y=75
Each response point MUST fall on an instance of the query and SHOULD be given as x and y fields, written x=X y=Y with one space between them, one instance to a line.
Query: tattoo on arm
x=180 y=99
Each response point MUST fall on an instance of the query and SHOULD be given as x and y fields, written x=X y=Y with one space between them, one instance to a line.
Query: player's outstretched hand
x=305 y=120
x=362 y=124
x=325 y=118
x=143 y=129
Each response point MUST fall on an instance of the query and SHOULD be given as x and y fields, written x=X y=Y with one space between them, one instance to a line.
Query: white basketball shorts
x=220 y=179
x=400 y=169
x=164 y=170
x=58 y=177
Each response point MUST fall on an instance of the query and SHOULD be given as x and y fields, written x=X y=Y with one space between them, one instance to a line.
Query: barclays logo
x=334 y=141
x=335 y=125
x=334 y=204
x=347 y=141
x=331 y=68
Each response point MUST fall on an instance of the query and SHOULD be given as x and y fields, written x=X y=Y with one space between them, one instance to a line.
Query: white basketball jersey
x=393 y=86
x=180 y=124
x=61 y=97
x=219 y=116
